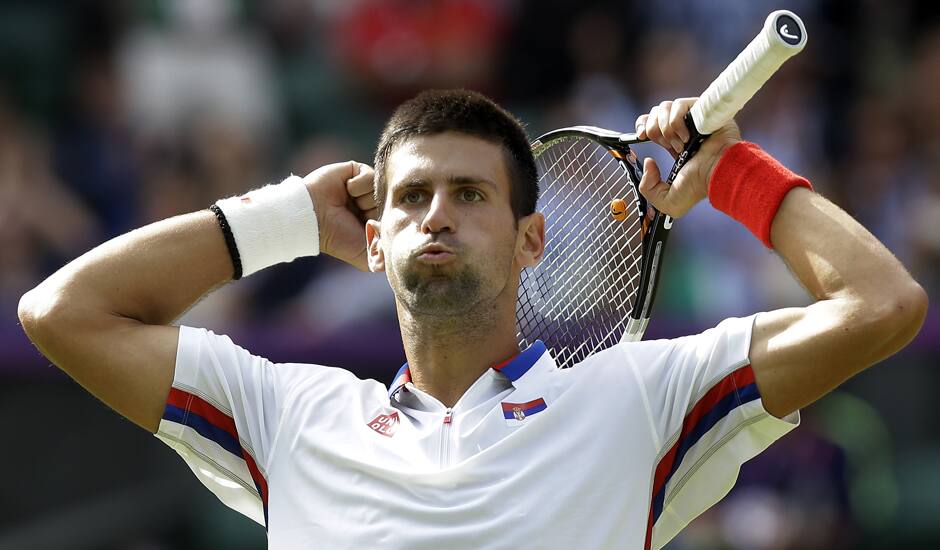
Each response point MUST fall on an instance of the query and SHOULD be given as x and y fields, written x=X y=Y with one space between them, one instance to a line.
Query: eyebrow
x=452 y=180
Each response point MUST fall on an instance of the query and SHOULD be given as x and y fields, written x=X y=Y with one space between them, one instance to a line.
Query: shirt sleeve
x=707 y=419
x=221 y=416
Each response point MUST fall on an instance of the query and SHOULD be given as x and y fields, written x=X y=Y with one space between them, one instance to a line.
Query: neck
x=446 y=355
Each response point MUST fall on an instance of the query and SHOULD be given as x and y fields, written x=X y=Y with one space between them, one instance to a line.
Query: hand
x=343 y=200
x=665 y=125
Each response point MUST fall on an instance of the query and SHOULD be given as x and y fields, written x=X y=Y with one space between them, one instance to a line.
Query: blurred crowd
x=117 y=114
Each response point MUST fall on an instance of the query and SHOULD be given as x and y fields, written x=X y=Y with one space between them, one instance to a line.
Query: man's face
x=447 y=239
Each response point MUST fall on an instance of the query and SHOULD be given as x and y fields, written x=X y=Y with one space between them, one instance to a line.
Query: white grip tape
x=273 y=224
x=783 y=36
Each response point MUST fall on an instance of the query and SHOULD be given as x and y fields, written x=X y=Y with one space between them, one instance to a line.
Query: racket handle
x=782 y=37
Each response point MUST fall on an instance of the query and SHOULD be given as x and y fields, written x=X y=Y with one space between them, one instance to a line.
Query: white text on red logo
x=385 y=424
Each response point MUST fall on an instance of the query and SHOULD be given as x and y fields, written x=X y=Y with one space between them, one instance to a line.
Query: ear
x=374 y=246
x=530 y=239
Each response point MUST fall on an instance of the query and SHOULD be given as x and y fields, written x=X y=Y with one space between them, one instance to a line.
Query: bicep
x=142 y=359
x=800 y=354
x=126 y=364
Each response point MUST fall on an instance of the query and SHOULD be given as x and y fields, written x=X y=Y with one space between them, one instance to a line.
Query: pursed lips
x=435 y=253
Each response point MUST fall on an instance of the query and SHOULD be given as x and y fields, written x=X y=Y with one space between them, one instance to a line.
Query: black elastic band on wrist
x=229 y=242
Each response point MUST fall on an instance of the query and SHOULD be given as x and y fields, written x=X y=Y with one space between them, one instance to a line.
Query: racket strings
x=578 y=299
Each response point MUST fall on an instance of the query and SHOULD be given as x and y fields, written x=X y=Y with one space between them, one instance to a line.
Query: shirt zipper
x=445 y=437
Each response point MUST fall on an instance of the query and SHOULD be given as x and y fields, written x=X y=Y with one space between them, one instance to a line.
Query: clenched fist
x=343 y=200
x=665 y=125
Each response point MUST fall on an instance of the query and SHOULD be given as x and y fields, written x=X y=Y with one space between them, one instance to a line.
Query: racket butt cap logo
x=618 y=209
x=789 y=28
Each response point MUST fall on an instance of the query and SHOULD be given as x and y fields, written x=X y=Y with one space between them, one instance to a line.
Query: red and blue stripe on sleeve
x=209 y=422
x=732 y=391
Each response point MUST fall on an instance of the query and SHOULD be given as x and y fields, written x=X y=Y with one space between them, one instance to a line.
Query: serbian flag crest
x=516 y=413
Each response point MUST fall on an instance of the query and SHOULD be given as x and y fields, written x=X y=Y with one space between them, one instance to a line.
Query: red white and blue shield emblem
x=516 y=413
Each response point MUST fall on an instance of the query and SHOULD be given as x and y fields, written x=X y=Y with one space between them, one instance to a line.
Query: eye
x=470 y=195
x=411 y=197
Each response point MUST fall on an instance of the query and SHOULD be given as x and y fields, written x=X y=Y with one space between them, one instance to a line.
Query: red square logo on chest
x=385 y=424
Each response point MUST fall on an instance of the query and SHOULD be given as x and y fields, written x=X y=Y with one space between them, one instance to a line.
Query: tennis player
x=476 y=444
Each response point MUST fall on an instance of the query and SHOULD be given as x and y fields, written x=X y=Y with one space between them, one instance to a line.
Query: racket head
x=589 y=291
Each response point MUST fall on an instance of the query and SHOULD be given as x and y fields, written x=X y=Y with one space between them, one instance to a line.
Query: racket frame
x=655 y=230
x=782 y=36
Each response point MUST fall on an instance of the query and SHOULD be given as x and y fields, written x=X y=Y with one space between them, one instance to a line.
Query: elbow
x=26 y=312
x=40 y=313
x=33 y=313
x=901 y=315
x=909 y=307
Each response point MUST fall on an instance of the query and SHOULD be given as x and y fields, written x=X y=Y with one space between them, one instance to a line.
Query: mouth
x=435 y=254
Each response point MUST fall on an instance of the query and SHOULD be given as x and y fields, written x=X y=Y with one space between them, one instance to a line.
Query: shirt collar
x=513 y=368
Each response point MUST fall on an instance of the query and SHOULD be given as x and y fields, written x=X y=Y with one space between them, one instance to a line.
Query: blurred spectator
x=42 y=223
x=317 y=92
x=924 y=145
x=199 y=63
x=400 y=46
x=600 y=95
x=94 y=151
x=878 y=171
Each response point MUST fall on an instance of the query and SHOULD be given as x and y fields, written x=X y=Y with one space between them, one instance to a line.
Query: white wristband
x=274 y=224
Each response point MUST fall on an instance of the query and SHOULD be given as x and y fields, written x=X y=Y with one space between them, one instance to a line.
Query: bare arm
x=867 y=306
x=104 y=317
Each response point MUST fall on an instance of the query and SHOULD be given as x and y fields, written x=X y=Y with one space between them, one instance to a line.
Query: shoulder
x=321 y=378
x=615 y=368
x=627 y=354
x=731 y=337
x=201 y=349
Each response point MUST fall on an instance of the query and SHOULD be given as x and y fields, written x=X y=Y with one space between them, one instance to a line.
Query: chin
x=441 y=299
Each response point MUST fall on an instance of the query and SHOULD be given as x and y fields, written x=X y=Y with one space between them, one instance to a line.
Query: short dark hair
x=468 y=112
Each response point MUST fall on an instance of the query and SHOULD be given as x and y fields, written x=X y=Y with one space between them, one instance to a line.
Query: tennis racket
x=597 y=280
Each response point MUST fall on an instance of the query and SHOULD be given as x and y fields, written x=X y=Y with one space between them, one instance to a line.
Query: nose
x=439 y=217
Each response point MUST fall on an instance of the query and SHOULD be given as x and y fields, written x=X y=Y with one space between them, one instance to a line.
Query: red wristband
x=749 y=185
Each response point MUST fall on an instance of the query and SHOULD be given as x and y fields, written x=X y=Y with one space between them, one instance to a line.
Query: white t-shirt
x=620 y=451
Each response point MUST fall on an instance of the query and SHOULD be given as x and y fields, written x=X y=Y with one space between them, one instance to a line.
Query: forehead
x=446 y=156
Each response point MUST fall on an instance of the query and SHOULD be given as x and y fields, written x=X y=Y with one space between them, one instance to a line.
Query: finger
x=683 y=105
x=670 y=139
x=677 y=124
x=653 y=131
x=641 y=126
x=363 y=182
x=365 y=202
x=338 y=170
x=653 y=187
